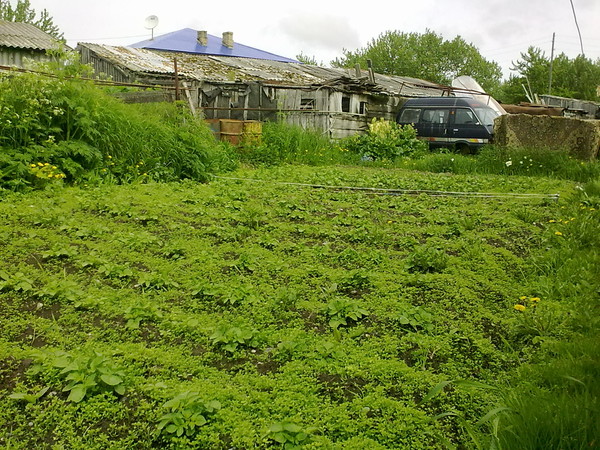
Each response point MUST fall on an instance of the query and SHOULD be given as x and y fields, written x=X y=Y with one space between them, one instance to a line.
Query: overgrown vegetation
x=282 y=143
x=257 y=314
x=64 y=129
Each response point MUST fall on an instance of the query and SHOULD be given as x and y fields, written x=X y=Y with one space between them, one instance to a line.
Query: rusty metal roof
x=24 y=35
x=232 y=69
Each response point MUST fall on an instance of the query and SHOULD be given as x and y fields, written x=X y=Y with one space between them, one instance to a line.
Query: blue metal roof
x=186 y=41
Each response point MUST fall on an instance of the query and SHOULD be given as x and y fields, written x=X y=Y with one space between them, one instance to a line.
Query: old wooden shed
x=233 y=82
x=20 y=42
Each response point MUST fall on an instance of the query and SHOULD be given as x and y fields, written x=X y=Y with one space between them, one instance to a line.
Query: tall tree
x=23 y=12
x=573 y=78
x=427 y=56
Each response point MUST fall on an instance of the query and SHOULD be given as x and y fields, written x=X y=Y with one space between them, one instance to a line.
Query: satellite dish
x=150 y=24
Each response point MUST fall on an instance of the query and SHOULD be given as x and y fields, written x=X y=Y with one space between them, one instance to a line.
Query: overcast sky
x=500 y=29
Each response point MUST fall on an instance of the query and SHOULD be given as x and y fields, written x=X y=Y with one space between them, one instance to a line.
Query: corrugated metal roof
x=229 y=69
x=24 y=35
x=186 y=41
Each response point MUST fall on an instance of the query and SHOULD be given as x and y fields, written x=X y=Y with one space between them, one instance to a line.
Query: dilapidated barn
x=259 y=85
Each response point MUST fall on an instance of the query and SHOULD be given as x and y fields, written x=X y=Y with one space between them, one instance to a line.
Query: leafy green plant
x=18 y=282
x=231 y=337
x=59 y=289
x=117 y=271
x=414 y=318
x=60 y=253
x=426 y=259
x=138 y=313
x=355 y=283
x=385 y=140
x=187 y=412
x=289 y=434
x=155 y=281
x=84 y=374
x=343 y=312
x=29 y=398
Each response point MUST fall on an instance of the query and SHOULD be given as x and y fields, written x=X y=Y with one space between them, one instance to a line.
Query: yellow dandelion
x=520 y=307
x=551 y=221
x=534 y=299
x=558 y=233
x=40 y=164
x=32 y=165
x=523 y=297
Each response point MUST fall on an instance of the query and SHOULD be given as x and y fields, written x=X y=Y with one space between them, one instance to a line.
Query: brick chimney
x=202 y=38
x=228 y=39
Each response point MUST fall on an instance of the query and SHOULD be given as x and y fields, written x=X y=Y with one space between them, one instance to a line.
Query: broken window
x=362 y=108
x=345 y=104
x=307 y=103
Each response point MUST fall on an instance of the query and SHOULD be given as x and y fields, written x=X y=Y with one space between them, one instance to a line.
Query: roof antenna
x=150 y=24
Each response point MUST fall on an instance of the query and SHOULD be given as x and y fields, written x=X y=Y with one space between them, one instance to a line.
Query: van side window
x=464 y=116
x=435 y=116
x=410 y=115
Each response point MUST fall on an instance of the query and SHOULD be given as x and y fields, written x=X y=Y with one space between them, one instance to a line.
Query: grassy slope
x=146 y=275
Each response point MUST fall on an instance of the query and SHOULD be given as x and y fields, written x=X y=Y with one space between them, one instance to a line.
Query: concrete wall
x=580 y=137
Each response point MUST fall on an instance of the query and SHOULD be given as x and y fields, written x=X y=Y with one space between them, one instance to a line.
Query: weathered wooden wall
x=19 y=57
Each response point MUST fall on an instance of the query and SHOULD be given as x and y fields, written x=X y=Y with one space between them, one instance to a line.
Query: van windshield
x=486 y=115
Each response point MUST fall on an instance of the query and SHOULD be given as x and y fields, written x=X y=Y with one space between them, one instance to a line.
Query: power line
x=577 y=25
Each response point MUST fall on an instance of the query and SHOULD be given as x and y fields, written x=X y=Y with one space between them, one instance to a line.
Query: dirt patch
x=313 y=322
x=11 y=371
x=340 y=389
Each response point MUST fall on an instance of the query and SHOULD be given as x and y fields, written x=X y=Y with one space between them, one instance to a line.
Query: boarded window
x=345 y=104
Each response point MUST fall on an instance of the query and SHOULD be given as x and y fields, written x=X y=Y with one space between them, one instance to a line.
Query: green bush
x=385 y=140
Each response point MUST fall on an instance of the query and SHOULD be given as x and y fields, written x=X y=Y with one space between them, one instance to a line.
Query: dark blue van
x=459 y=122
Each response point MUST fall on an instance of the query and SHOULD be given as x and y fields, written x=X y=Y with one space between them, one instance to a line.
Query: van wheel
x=463 y=149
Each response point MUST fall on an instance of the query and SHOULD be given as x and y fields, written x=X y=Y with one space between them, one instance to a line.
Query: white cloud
x=321 y=31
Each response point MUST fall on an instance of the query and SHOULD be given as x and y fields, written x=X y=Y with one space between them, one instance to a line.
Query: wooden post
x=176 y=80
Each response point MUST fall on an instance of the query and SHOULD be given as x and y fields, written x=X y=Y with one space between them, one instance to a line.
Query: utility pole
x=551 y=61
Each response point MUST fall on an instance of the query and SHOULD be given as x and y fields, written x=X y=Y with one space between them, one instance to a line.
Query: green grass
x=301 y=313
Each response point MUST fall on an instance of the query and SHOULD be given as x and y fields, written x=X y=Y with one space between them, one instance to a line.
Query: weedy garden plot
x=242 y=314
